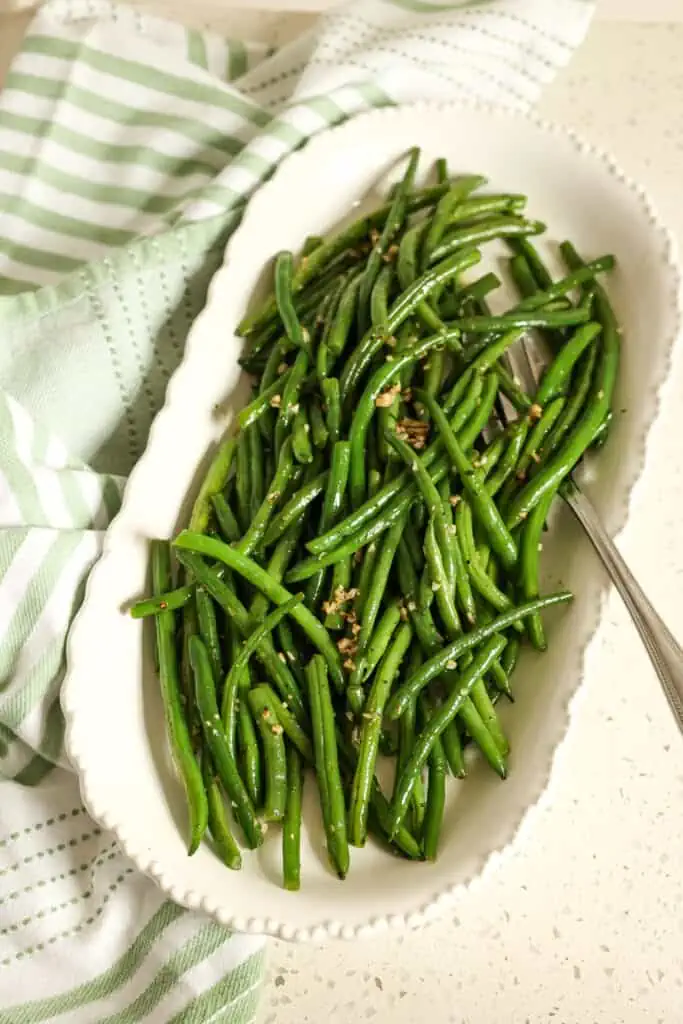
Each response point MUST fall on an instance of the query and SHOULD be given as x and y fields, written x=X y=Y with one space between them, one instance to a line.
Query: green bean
x=375 y=593
x=483 y=506
x=485 y=231
x=538 y=268
x=443 y=213
x=295 y=507
x=213 y=483
x=556 y=378
x=371 y=726
x=510 y=655
x=413 y=545
x=485 y=462
x=392 y=225
x=309 y=566
x=284 y=298
x=483 y=205
x=524 y=318
x=379 y=299
x=391 y=511
x=260 y=579
x=177 y=729
x=452 y=747
x=277 y=564
x=575 y=401
x=371 y=508
x=319 y=432
x=529 y=558
x=445 y=598
x=170 y=601
x=225 y=517
x=208 y=631
x=401 y=309
x=256 y=467
x=479 y=733
x=436 y=797
x=580 y=276
x=480 y=580
x=243 y=480
x=223 y=839
x=516 y=434
x=378 y=819
x=522 y=275
x=439 y=661
x=380 y=380
x=406 y=262
x=327 y=764
x=264 y=702
x=489 y=356
x=311 y=243
x=301 y=441
x=406 y=741
x=228 y=695
x=240 y=664
x=500 y=681
x=218 y=745
x=480 y=416
x=560 y=465
x=289 y=403
x=330 y=389
x=488 y=715
x=259 y=523
x=238 y=614
x=247 y=740
x=498 y=675
x=341 y=326
x=534 y=443
x=268 y=399
x=341 y=580
x=289 y=648
x=438 y=722
x=271 y=731
x=291 y=826
x=332 y=505
x=381 y=636
x=420 y=615
x=463 y=589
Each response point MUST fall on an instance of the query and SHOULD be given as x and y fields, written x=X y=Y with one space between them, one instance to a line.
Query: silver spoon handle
x=664 y=651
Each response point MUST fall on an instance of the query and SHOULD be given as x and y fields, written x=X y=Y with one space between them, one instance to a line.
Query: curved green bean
x=291 y=826
x=327 y=764
x=216 y=741
x=294 y=508
x=259 y=523
x=284 y=299
x=484 y=508
x=438 y=663
x=371 y=726
x=438 y=722
x=260 y=579
x=177 y=727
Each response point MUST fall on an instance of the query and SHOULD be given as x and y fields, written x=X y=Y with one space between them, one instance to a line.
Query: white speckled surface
x=581 y=922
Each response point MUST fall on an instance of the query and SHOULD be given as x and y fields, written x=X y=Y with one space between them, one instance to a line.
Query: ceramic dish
x=115 y=728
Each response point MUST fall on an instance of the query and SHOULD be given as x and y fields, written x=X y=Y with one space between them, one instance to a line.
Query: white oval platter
x=115 y=729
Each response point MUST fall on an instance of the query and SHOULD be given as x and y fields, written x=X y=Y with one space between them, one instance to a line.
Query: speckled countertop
x=581 y=921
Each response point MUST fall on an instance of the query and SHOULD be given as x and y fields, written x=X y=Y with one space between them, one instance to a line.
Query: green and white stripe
x=128 y=147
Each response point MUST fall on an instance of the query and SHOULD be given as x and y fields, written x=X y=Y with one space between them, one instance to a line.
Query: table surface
x=580 y=921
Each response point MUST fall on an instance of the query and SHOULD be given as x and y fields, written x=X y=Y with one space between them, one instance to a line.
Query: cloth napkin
x=128 y=147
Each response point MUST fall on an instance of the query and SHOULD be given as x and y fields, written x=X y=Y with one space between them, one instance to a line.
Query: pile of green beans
x=361 y=564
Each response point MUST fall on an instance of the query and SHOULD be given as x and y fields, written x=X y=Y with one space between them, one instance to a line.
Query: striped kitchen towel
x=128 y=147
